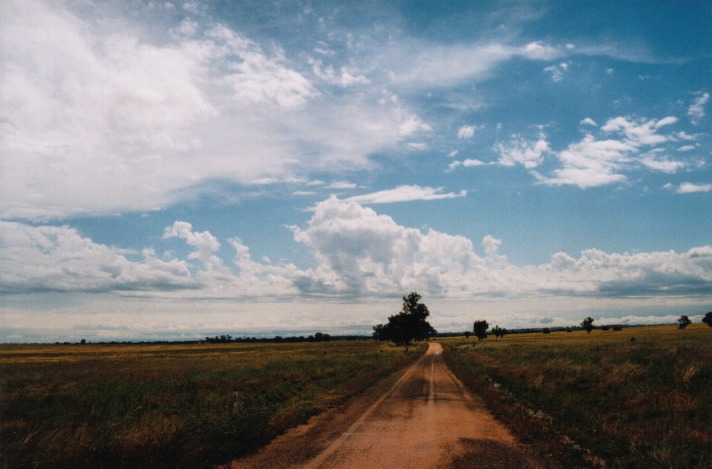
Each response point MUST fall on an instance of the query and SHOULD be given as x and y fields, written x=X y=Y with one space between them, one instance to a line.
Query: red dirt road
x=422 y=417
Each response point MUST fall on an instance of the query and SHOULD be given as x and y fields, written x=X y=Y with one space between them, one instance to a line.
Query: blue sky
x=181 y=169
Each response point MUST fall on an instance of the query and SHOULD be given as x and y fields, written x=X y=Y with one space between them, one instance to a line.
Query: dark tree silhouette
x=708 y=319
x=467 y=334
x=480 y=329
x=587 y=324
x=683 y=322
x=407 y=326
x=379 y=333
x=499 y=331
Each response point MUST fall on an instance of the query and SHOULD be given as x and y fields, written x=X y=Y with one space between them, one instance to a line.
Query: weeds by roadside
x=588 y=400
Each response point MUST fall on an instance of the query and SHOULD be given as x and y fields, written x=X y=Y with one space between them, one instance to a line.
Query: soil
x=421 y=417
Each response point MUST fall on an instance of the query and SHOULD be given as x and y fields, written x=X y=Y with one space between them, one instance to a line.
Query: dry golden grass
x=642 y=403
x=170 y=405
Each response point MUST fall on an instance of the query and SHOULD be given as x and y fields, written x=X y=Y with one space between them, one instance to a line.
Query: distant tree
x=379 y=333
x=587 y=324
x=320 y=337
x=498 y=331
x=480 y=329
x=708 y=319
x=83 y=341
x=546 y=330
x=467 y=334
x=409 y=325
x=683 y=322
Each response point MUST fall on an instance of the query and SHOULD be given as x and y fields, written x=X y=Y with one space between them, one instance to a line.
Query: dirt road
x=420 y=418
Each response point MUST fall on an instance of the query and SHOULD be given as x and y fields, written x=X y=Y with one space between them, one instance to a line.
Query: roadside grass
x=175 y=405
x=599 y=399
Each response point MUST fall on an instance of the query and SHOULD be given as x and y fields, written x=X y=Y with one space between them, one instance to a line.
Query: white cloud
x=490 y=245
x=588 y=121
x=345 y=77
x=342 y=185
x=405 y=194
x=356 y=251
x=639 y=132
x=112 y=121
x=466 y=132
x=691 y=188
x=205 y=243
x=48 y=258
x=520 y=151
x=557 y=71
x=696 y=111
x=663 y=165
x=361 y=251
x=425 y=65
x=468 y=163
x=597 y=161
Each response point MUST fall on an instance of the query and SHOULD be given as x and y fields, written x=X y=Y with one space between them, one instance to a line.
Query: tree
x=498 y=331
x=683 y=322
x=708 y=319
x=467 y=334
x=321 y=337
x=480 y=329
x=379 y=333
x=407 y=326
x=587 y=324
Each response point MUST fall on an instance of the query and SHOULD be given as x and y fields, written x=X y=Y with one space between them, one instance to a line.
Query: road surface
x=422 y=417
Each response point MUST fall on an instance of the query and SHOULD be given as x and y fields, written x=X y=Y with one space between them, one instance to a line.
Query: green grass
x=631 y=404
x=194 y=405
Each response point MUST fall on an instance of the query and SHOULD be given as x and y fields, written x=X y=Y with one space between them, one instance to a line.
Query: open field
x=189 y=405
x=587 y=399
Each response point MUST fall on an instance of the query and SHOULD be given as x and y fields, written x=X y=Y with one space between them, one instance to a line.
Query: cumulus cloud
x=360 y=251
x=696 y=111
x=557 y=71
x=344 y=77
x=405 y=194
x=468 y=163
x=619 y=148
x=356 y=252
x=519 y=150
x=466 y=132
x=59 y=258
x=205 y=244
x=689 y=188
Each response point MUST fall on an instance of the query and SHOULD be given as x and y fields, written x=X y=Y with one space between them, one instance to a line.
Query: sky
x=176 y=170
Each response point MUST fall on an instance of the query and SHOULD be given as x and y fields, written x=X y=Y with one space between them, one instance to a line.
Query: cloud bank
x=356 y=252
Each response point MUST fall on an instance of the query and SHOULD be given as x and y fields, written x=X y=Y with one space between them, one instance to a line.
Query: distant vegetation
x=318 y=337
x=639 y=400
x=480 y=329
x=410 y=325
x=171 y=405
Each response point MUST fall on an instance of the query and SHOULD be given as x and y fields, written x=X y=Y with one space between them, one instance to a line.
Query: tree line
x=411 y=325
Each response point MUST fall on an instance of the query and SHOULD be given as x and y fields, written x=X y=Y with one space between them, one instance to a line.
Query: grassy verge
x=194 y=405
x=585 y=400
